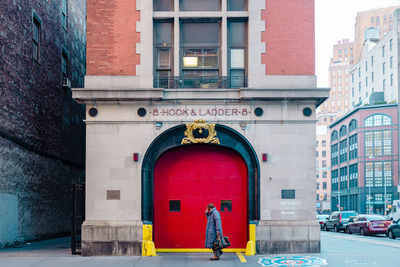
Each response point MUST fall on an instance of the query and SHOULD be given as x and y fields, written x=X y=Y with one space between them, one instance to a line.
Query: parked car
x=321 y=219
x=366 y=224
x=338 y=220
x=393 y=230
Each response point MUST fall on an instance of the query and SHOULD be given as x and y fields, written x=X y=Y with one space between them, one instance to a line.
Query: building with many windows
x=365 y=159
x=380 y=19
x=378 y=67
x=190 y=102
x=336 y=105
x=42 y=46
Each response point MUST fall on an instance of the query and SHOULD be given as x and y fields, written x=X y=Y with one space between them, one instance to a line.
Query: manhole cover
x=292 y=261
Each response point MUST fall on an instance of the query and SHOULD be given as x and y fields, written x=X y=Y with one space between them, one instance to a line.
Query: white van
x=394 y=214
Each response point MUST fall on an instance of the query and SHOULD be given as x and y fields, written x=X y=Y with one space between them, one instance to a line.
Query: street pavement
x=337 y=249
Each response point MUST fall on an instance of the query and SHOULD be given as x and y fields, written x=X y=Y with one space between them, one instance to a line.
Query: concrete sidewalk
x=337 y=249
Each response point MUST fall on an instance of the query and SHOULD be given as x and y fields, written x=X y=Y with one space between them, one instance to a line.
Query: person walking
x=213 y=229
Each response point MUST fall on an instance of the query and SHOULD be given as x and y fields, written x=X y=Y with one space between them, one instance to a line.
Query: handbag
x=222 y=242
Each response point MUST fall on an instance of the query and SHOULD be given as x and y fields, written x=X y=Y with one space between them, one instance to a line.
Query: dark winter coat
x=213 y=225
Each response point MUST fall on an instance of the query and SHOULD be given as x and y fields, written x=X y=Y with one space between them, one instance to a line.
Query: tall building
x=378 y=68
x=41 y=130
x=190 y=102
x=381 y=19
x=337 y=104
x=365 y=159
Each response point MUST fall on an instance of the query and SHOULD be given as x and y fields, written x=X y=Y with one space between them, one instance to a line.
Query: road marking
x=289 y=261
x=241 y=257
x=388 y=244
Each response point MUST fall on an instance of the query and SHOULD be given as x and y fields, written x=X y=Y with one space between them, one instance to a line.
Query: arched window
x=343 y=131
x=334 y=136
x=352 y=125
x=377 y=120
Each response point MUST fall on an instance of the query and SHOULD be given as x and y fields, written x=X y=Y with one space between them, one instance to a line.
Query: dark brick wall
x=33 y=105
x=39 y=194
x=41 y=127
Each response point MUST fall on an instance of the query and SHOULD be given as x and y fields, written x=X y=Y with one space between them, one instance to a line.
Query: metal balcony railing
x=200 y=82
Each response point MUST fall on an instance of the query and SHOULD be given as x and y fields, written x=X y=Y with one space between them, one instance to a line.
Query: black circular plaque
x=258 y=111
x=307 y=112
x=141 y=112
x=93 y=112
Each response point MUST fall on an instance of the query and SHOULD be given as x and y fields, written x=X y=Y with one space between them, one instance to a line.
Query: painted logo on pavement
x=292 y=261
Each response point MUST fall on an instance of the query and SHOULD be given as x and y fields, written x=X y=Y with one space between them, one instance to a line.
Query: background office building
x=336 y=105
x=378 y=68
x=190 y=102
x=380 y=19
x=365 y=159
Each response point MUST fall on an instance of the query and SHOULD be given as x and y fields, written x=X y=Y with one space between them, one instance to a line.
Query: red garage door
x=186 y=179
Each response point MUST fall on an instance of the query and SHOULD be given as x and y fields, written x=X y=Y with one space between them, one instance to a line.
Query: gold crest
x=200 y=125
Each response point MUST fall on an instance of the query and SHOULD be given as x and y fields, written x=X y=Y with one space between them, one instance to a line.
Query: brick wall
x=34 y=108
x=41 y=126
x=112 y=37
x=289 y=37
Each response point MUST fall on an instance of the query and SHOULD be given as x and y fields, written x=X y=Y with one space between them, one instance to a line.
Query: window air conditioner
x=66 y=83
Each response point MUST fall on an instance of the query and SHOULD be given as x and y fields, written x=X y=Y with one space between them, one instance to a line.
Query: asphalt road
x=338 y=249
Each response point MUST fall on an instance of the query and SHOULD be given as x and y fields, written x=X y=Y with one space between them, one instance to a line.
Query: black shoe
x=214 y=258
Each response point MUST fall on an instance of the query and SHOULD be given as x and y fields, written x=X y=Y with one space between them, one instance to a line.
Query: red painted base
x=186 y=179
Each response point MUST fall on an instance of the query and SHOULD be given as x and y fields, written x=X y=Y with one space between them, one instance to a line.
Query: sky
x=334 y=21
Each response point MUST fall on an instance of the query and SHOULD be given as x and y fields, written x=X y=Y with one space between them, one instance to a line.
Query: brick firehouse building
x=190 y=102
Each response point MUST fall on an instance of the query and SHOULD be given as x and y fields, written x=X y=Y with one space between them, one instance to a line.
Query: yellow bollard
x=251 y=244
x=148 y=248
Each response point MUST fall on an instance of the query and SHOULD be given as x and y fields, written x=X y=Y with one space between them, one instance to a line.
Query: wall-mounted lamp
x=264 y=157
x=135 y=156
x=243 y=125
x=158 y=125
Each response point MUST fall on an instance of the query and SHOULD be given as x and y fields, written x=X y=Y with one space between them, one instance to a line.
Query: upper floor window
x=237 y=5
x=64 y=63
x=377 y=120
x=352 y=125
x=372 y=60
x=378 y=143
x=65 y=14
x=334 y=154
x=323 y=143
x=334 y=136
x=198 y=57
x=36 y=38
x=342 y=131
x=196 y=5
x=391 y=44
x=163 y=5
x=383 y=51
